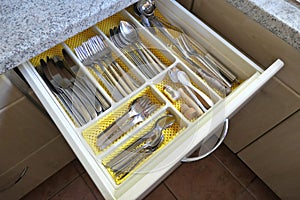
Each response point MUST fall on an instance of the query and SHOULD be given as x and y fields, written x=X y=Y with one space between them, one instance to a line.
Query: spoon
x=180 y=76
x=146 y=7
x=128 y=31
x=185 y=80
x=130 y=34
x=152 y=141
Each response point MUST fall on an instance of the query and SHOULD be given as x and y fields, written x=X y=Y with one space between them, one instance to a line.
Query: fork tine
x=92 y=46
x=87 y=49
x=101 y=42
x=150 y=110
x=79 y=53
x=97 y=44
x=186 y=44
x=145 y=101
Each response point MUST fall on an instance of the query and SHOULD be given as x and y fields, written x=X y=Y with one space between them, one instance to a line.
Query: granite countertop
x=28 y=28
x=281 y=17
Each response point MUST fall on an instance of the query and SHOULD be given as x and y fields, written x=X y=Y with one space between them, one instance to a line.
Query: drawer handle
x=18 y=179
x=223 y=135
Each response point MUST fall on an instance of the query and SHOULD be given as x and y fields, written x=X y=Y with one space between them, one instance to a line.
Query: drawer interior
x=187 y=128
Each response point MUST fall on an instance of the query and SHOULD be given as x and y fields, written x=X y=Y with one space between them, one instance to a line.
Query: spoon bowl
x=146 y=7
x=128 y=31
x=185 y=80
x=151 y=140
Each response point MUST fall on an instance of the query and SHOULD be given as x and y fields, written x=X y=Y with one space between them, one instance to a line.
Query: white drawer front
x=167 y=158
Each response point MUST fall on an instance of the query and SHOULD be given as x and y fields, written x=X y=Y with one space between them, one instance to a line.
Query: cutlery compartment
x=74 y=82
x=157 y=50
x=138 y=139
x=183 y=97
x=130 y=77
x=91 y=133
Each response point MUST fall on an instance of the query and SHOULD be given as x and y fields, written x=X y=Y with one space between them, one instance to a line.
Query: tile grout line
x=170 y=190
x=81 y=175
x=91 y=190
x=236 y=178
x=66 y=185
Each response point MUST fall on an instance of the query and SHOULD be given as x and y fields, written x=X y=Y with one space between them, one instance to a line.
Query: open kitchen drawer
x=183 y=136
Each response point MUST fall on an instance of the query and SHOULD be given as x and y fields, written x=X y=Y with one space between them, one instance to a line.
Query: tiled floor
x=219 y=176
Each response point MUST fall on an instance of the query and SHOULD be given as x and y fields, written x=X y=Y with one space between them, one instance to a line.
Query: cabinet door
x=275 y=158
x=250 y=37
x=23 y=130
x=269 y=107
x=8 y=92
x=186 y=3
x=35 y=169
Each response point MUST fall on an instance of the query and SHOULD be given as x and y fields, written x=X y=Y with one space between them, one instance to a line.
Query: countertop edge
x=18 y=56
x=277 y=16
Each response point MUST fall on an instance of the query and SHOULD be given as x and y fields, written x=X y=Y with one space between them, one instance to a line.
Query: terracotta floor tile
x=92 y=186
x=260 y=190
x=219 y=176
x=161 y=192
x=205 y=179
x=78 y=166
x=245 y=195
x=77 y=190
x=238 y=169
x=53 y=184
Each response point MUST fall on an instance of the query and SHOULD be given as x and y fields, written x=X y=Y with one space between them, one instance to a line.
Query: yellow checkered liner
x=90 y=134
x=169 y=134
x=54 y=51
x=114 y=21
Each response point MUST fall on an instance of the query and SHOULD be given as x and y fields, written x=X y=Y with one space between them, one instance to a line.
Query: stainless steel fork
x=105 y=53
x=207 y=60
x=127 y=126
x=82 y=52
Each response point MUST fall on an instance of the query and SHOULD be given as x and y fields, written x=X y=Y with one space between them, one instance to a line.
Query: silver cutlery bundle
x=126 y=38
x=139 y=110
x=125 y=162
x=97 y=55
x=81 y=99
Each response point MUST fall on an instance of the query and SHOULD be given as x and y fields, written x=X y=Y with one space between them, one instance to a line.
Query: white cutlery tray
x=181 y=138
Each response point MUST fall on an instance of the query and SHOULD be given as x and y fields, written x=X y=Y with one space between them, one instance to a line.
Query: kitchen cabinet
x=8 y=93
x=186 y=3
x=256 y=130
x=272 y=105
x=275 y=158
x=138 y=183
x=280 y=97
x=32 y=148
x=35 y=168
